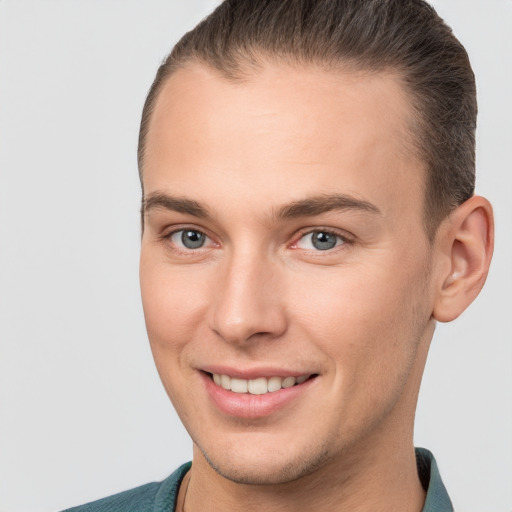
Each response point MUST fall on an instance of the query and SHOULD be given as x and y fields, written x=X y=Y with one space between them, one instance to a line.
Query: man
x=308 y=215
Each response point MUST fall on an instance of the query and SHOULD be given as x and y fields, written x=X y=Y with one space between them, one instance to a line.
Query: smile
x=258 y=396
x=259 y=386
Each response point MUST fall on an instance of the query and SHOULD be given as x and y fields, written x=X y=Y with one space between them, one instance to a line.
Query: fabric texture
x=437 y=499
x=161 y=496
x=153 y=497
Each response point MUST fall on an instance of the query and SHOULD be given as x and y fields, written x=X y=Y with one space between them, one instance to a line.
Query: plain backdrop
x=82 y=412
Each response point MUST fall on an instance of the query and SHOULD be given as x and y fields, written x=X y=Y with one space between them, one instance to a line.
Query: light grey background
x=82 y=412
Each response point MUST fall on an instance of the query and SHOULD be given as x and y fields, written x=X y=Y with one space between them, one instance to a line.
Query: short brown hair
x=405 y=36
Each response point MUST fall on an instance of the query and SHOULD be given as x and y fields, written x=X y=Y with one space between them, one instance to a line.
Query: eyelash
x=167 y=238
x=341 y=239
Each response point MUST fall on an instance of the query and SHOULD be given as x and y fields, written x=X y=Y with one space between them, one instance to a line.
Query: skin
x=258 y=294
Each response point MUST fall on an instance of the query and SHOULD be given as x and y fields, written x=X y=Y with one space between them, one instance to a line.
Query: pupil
x=323 y=241
x=192 y=239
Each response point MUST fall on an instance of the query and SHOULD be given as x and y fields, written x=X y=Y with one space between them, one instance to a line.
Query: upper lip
x=253 y=373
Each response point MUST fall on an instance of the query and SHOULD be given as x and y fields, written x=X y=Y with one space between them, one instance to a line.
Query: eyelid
x=168 y=233
x=165 y=237
x=169 y=230
x=343 y=235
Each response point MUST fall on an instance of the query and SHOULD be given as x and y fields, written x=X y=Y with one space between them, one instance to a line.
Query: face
x=284 y=266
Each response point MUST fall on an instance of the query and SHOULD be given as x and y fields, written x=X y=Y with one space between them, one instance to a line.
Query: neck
x=384 y=481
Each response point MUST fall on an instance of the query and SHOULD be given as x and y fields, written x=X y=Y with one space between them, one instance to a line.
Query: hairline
x=249 y=67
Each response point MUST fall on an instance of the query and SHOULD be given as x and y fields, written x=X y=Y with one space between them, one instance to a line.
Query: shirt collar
x=437 y=499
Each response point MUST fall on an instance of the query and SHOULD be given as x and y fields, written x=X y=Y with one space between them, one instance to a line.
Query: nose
x=247 y=301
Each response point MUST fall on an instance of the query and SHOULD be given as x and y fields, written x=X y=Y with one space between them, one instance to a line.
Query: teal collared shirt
x=161 y=496
x=437 y=499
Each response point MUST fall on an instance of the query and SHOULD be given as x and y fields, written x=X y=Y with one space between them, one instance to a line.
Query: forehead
x=281 y=132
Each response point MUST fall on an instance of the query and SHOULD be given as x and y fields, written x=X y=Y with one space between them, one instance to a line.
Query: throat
x=182 y=493
x=382 y=487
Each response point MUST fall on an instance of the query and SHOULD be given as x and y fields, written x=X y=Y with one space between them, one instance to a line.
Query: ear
x=465 y=242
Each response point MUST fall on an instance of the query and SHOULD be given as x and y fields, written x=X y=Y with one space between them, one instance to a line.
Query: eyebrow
x=175 y=204
x=307 y=207
x=317 y=205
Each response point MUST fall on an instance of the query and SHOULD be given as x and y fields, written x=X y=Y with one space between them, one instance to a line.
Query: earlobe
x=466 y=241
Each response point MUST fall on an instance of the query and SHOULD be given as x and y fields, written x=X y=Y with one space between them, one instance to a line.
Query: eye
x=320 y=240
x=189 y=238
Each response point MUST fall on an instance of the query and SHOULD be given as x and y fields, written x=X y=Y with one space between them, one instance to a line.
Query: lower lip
x=245 y=405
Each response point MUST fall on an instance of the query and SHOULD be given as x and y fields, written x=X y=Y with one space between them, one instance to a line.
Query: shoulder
x=138 y=499
x=152 y=497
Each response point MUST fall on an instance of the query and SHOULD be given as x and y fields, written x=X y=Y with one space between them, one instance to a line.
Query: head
x=405 y=38
x=307 y=172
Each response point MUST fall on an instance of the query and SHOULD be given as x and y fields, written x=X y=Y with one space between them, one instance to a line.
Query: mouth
x=256 y=393
x=258 y=386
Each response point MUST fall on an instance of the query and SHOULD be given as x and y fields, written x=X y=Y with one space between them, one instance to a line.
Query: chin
x=259 y=468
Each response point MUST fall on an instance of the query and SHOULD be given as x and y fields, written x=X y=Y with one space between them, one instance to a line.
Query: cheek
x=369 y=328
x=173 y=305
x=367 y=320
x=348 y=300
x=174 y=301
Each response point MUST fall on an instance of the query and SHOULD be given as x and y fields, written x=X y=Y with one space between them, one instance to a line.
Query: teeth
x=239 y=386
x=274 y=383
x=225 y=382
x=258 y=386
x=288 y=382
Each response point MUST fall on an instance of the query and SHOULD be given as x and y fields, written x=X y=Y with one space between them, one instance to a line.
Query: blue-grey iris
x=323 y=240
x=192 y=239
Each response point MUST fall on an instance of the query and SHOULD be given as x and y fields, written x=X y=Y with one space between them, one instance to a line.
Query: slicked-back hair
x=405 y=37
